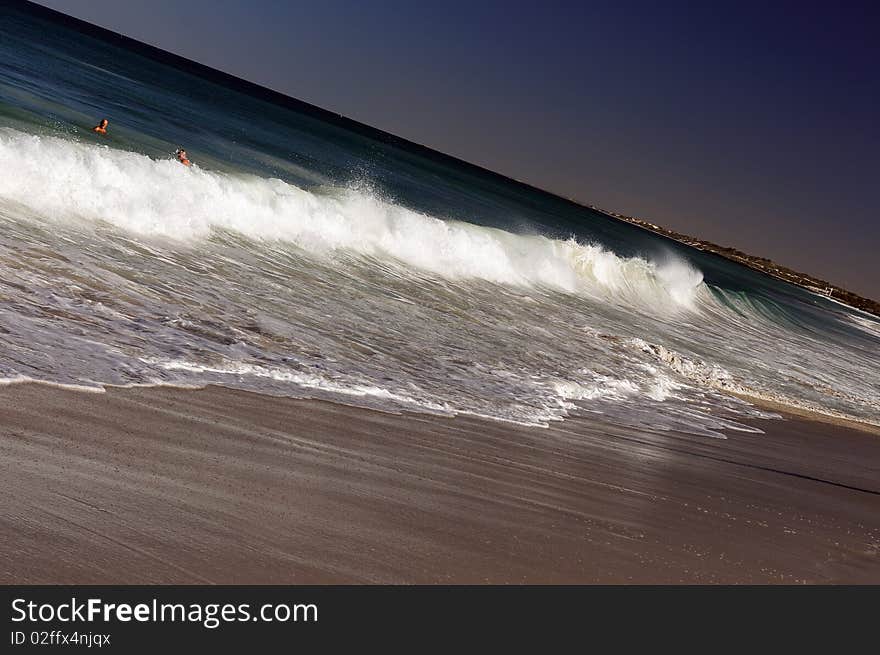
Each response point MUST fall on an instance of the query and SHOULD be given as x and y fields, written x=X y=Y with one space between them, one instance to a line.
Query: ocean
x=304 y=255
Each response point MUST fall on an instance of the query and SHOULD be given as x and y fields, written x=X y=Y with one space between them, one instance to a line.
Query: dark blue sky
x=752 y=125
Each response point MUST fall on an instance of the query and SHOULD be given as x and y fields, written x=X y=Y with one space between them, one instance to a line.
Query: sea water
x=306 y=256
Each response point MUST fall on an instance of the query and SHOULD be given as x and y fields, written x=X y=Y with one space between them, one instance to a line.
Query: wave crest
x=161 y=198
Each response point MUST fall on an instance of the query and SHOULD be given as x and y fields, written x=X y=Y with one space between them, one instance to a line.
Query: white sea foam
x=715 y=377
x=77 y=181
x=306 y=380
x=120 y=270
x=25 y=379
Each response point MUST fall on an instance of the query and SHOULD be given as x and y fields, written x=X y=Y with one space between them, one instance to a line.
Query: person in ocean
x=101 y=128
x=182 y=158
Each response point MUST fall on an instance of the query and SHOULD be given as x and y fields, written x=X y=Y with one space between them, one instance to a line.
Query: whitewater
x=304 y=257
x=126 y=270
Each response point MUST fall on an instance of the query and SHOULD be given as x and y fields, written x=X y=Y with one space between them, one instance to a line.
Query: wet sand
x=220 y=486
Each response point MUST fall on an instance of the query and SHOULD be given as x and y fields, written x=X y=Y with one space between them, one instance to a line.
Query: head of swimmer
x=181 y=156
x=102 y=126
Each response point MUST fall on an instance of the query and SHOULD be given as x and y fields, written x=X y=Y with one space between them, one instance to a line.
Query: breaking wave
x=160 y=198
x=120 y=269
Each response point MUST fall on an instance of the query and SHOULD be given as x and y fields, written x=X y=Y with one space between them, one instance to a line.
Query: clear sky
x=751 y=125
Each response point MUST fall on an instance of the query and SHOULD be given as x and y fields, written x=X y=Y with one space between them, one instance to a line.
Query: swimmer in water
x=182 y=158
x=101 y=128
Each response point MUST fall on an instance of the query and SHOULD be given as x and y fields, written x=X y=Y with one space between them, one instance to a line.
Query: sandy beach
x=217 y=486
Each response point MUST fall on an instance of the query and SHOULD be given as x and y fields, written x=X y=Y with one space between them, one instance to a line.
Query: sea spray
x=160 y=198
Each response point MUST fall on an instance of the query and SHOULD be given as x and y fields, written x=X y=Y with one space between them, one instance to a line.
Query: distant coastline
x=761 y=264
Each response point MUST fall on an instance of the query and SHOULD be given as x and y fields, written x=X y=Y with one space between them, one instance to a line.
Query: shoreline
x=163 y=485
x=792 y=411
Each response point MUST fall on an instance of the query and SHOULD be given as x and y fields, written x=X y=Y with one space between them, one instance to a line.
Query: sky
x=750 y=125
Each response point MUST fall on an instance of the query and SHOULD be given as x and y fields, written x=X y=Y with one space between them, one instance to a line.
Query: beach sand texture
x=218 y=486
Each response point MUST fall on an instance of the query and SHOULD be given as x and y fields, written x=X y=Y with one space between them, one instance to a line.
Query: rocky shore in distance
x=761 y=264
